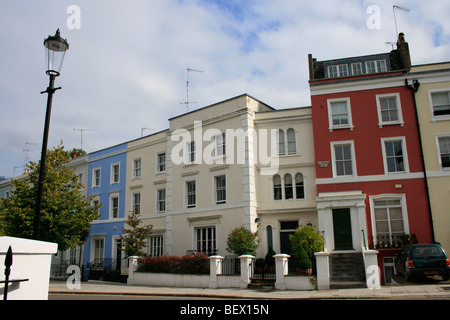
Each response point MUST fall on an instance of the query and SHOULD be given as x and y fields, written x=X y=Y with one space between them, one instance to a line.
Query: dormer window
x=336 y=71
x=376 y=66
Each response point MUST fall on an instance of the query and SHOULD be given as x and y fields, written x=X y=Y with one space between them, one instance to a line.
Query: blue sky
x=126 y=66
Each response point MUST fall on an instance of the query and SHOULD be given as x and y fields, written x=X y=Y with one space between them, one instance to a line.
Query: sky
x=126 y=68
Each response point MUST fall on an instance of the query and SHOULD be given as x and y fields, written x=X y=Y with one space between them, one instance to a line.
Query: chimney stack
x=403 y=48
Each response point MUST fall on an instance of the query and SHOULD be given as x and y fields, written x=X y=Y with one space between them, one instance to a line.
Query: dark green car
x=419 y=260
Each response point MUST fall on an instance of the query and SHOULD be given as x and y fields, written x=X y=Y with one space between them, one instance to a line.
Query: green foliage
x=305 y=242
x=189 y=264
x=66 y=213
x=242 y=241
x=134 y=239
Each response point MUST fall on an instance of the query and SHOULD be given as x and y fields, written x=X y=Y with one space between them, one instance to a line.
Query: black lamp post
x=55 y=48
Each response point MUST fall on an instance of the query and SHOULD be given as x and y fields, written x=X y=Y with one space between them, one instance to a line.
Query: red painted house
x=370 y=183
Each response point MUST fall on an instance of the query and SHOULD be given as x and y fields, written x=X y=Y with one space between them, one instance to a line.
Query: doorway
x=342 y=229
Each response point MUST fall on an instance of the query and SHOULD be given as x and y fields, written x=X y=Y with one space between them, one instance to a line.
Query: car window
x=427 y=252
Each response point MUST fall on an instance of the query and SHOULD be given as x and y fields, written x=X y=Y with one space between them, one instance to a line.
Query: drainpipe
x=414 y=88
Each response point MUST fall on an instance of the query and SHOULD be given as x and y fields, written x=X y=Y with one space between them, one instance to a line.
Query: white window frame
x=112 y=196
x=135 y=168
x=161 y=165
x=404 y=151
x=284 y=149
x=360 y=69
x=333 y=144
x=160 y=201
x=219 y=150
x=191 y=149
x=95 y=200
x=438 y=148
x=213 y=239
x=94 y=178
x=273 y=187
x=283 y=186
x=393 y=196
x=433 y=117
x=215 y=188
x=93 y=253
x=331 y=126
x=155 y=245
x=186 y=194
x=112 y=174
x=340 y=72
x=295 y=186
x=399 y=121
x=378 y=68
x=134 y=204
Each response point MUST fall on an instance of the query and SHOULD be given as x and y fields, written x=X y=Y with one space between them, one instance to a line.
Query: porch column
x=323 y=270
x=215 y=268
x=281 y=270
x=246 y=270
x=132 y=267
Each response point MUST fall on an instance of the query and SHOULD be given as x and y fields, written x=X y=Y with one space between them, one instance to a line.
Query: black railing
x=231 y=265
x=263 y=270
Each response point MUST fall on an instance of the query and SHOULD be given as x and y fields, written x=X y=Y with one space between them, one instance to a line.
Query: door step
x=347 y=285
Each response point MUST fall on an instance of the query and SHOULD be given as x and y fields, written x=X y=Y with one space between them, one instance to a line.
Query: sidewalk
x=435 y=291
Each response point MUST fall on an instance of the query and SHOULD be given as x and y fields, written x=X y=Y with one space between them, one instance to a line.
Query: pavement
x=426 y=290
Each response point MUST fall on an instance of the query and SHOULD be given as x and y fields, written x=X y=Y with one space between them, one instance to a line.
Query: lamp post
x=55 y=48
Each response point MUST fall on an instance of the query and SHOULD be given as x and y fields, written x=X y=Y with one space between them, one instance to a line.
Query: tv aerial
x=394 y=8
x=187 y=102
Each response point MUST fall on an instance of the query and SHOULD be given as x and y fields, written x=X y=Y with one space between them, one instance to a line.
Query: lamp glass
x=55 y=50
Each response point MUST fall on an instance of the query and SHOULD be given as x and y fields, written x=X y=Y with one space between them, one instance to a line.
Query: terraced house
x=235 y=163
x=370 y=175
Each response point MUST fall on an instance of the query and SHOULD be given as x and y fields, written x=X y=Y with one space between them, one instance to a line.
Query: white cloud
x=126 y=67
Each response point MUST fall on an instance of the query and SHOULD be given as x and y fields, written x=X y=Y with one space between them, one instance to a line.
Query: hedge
x=189 y=264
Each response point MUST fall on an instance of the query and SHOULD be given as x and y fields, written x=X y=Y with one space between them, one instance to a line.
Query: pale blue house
x=106 y=183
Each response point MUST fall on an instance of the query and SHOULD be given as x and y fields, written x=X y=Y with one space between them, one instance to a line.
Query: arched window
x=288 y=190
x=299 y=186
x=277 y=187
x=291 y=143
x=269 y=237
x=281 y=143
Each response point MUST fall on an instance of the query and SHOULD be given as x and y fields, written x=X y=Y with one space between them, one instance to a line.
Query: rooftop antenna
x=81 y=132
x=26 y=150
x=394 y=7
x=188 y=70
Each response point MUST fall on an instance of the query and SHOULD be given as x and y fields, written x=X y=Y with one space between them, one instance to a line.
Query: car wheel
x=445 y=278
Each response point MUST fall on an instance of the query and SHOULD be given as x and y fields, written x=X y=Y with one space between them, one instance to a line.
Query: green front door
x=342 y=229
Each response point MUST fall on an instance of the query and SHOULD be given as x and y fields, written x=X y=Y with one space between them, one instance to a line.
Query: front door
x=342 y=229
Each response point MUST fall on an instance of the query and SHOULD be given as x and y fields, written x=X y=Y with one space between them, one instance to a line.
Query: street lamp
x=55 y=49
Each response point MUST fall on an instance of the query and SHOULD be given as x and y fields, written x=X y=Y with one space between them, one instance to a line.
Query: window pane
x=292 y=148
x=288 y=191
x=277 y=187
x=281 y=145
x=299 y=186
x=444 y=149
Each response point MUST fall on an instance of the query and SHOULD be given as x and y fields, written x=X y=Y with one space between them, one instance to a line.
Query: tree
x=66 y=213
x=133 y=240
x=242 y=241
x=305 y=242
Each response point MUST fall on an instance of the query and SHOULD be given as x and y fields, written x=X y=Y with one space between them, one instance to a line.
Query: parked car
x=418 y=260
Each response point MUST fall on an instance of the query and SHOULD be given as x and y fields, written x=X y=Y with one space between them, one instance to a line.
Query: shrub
x=188 y=264
x=242 y=241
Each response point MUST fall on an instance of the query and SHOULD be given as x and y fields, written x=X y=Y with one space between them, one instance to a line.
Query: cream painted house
x=433 y=105
x=235 y=163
